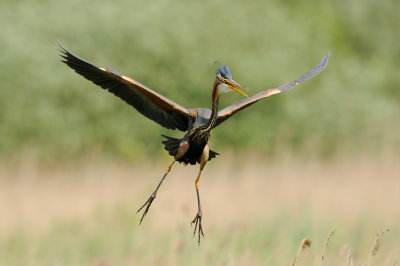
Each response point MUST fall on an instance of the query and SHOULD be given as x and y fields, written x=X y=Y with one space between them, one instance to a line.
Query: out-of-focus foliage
x=48 y=110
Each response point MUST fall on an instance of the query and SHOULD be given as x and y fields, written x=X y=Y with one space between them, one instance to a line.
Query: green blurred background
x=49 y=112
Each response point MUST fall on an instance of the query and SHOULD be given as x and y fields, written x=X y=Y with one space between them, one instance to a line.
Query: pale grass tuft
x=305 y=243
x=350 y=258
x=348 y=252
x=325 y=245
x=375 y=246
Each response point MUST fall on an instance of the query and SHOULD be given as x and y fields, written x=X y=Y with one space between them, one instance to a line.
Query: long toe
x=198 y=227
x=147 y=204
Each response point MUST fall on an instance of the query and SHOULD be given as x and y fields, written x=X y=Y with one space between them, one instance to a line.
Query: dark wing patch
x=148 y=102
x=239 y=105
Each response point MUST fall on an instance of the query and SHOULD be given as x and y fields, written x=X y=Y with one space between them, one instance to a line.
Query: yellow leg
x=154 y=194
x=197 y=180
x=197 y=220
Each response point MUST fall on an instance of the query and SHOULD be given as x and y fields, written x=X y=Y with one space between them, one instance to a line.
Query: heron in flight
x=198 y=123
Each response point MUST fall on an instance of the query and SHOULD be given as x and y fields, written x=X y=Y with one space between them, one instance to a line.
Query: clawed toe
x=198 y=226
x=147 y=204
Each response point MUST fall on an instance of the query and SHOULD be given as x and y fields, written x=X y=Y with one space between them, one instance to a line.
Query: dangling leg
x=154 y=194
x=197 y=220
x=183 y=147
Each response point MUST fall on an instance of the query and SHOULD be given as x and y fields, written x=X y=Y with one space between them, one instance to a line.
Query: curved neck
x=214 y=108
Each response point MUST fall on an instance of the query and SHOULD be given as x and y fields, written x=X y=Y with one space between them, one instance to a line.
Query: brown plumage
x=193 y=147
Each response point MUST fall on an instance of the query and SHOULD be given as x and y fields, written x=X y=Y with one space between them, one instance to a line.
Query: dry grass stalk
x=303 y=244
x=348 y=252
x=375 y=246
x=350 y=258
x=325 y=245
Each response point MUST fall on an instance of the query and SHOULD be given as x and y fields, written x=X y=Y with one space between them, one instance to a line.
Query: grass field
x=255 y=213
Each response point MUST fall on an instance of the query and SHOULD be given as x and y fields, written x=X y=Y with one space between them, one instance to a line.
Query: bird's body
x=198 y=134
x=198 y=123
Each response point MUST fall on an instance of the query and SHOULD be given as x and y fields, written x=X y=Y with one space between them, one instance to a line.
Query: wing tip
x=61 y=47
x=63 y=52
x=324 y=61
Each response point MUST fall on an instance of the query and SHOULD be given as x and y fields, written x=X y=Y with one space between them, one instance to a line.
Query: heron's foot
x=147 y=204
x=197 y=226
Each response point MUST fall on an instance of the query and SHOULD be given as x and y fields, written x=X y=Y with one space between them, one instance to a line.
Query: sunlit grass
x=86 y=214
x=114 y=238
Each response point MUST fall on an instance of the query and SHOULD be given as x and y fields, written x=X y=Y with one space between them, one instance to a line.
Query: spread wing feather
x=230 y=110
x=148 y=102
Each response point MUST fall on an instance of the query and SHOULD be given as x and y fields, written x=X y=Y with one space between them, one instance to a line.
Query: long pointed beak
x=235 y=86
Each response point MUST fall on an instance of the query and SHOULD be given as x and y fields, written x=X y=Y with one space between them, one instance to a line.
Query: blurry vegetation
x=90 y=242
x=49 y=111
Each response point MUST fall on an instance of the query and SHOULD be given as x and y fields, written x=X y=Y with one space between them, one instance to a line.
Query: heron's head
x=224 y=82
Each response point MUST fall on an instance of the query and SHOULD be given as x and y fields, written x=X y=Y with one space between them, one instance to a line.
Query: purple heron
x=193 y=147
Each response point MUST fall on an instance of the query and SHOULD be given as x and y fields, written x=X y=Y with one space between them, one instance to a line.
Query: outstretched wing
x=239 y=105
x=148 y=102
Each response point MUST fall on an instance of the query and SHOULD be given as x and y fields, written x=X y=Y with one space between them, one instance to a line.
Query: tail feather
x=172 y=146
x=213 y=154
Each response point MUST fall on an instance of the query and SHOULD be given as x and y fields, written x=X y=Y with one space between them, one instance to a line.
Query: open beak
x=235 y=86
